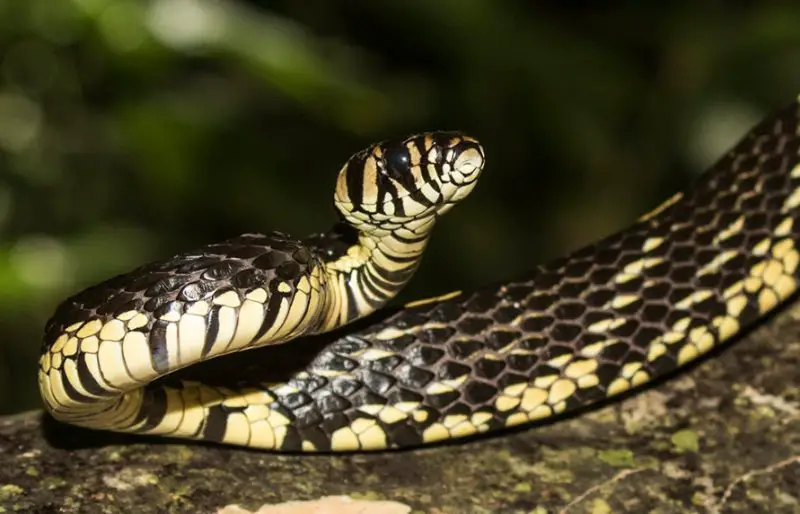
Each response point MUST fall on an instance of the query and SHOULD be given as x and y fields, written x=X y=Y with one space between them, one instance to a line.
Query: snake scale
x=130 y=354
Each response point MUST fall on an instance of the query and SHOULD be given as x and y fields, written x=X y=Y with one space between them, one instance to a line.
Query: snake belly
x=608 y=318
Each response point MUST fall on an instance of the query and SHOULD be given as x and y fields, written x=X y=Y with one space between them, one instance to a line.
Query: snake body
x=608 y=318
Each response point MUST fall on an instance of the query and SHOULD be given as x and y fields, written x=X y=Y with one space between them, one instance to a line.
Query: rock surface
x=723 y=436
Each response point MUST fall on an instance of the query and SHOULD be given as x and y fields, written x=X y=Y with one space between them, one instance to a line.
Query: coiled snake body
x=607 y=318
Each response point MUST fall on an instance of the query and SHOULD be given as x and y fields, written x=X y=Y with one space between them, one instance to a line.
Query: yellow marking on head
x=56 y=360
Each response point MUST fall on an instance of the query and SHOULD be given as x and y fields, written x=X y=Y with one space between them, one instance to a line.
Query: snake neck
x=364 y=269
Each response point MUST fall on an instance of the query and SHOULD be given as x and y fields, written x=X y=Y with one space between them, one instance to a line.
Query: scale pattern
x=608 y=318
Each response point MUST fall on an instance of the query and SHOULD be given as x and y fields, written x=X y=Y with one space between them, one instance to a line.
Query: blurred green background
x=132 y=129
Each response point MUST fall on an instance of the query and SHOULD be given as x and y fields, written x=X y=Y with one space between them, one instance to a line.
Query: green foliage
x=130 y=130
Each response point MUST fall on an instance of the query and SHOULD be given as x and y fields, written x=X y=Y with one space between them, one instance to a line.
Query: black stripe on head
x=354 y=175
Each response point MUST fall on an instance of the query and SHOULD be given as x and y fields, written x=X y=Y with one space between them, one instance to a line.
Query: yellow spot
x=284 y=288
x=732 y=229
x=127 y=315
x=506 y=403
x=407 y=406
x=389 y=333
x=420 y=416
x=785 y=227
x=515 y=390
x=588 y=381
x=767 y=300
x=736 y=305
x=90 y=328
x=727 y=328
x=540 y=412
x=56 y=360
x=695 y=297
x=463 y=430
x=630 y=368
x=623 y=300
x=594 y=349
x=435 y=432
x=559 y=361
x=391 y=415
x=687 y=354
x=782 y=247
x=619 y=385
x=652 y=243
x=372 y=409
x=790 y=263
x=308 y=446
x=544 y=382
x=373 y=354
x=605 y=325
x=344 y=439
x=479 y=418
x=138 y=321
x=639 y=378
x=561 y=390
x=580 y=368
x=791 y=202
x=655 y=351
x=438 y=388
x=517 y=418
x=532 y=398
x=761 y=247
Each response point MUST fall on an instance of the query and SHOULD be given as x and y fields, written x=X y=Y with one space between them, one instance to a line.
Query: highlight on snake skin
x=608 y=318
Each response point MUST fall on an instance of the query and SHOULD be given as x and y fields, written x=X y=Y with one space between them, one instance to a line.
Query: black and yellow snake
x=607 y=318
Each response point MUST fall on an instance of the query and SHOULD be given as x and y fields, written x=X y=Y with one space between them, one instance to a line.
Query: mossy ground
x=722 y=437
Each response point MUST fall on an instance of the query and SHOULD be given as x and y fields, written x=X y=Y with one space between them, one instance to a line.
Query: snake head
x=421 y=176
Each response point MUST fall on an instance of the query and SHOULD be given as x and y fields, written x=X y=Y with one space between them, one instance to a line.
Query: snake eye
x=396 y=161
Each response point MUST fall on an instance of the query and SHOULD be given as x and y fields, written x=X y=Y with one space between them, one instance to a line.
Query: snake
x=275 y=343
